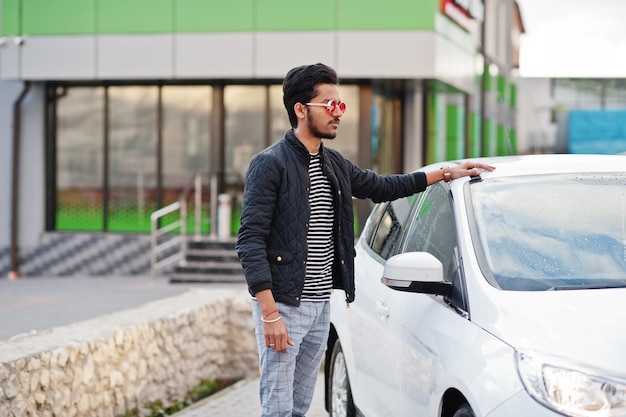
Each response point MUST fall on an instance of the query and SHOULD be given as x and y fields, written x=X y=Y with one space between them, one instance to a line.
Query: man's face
x=323 y=121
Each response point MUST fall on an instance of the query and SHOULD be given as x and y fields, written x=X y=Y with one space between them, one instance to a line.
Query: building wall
x=536 y=132
x=76 y=39
x=354 y=54
x=31 y=188
x=32 y=168
x=9 y=91
x=400 y=42
x=56 y=17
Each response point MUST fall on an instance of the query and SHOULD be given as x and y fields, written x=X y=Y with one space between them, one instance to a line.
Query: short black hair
x=299 y=86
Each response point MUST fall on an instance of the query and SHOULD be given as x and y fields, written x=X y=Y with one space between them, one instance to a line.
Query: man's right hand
x=274 y=329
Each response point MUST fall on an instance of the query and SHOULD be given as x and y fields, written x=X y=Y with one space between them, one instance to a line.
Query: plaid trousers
x=288 y=379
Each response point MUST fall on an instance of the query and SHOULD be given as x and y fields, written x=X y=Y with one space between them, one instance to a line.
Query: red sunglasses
x=331 y=106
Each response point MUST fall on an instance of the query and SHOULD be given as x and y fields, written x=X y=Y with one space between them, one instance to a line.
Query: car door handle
x=382 y=309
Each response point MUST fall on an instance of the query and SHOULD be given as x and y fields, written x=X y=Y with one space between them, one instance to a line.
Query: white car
x=502 y=295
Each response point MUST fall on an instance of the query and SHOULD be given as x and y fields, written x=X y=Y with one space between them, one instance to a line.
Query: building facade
x=108 y=107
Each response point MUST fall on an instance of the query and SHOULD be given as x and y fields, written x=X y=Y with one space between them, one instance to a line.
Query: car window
x=550 y=232
x=369 y=230
x=433 y=229
x=388 y=229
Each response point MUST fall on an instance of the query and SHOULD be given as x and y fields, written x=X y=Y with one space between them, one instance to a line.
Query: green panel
x=387 y=15
x=58 y=17
x=506 y=141
x=130 y=218
x=513 y=136
x=77 y=219
x=474 y=135
x=11 y=17
x=205 y=16
x=135 y=16
x=513 y=96
x=455 y=131
x=436 y=140
x=73 y=219
x=501 y=146
x=283 y=15
x=235 y=219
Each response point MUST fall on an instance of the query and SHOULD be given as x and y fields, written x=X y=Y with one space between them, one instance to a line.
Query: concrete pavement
x=242 y=400
x=36 y=304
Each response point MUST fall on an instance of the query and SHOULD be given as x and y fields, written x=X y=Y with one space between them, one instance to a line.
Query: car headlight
x=570 y=389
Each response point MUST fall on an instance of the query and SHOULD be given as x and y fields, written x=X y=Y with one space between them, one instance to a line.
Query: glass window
x=245 y=129
x=551 y=232
x=80 y=173
x=347 y=140
x=132 y=157
x=186 y=146
x=254 y=118
x=386 y=139
x=433 y=229
x=372 y=221
x=279 y=121
x=186 y=135
x=389 y=228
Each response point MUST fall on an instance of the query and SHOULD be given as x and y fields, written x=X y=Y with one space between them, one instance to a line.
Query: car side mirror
x=418 y=272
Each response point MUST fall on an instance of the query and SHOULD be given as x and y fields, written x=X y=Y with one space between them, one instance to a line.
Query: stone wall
x=114 y=363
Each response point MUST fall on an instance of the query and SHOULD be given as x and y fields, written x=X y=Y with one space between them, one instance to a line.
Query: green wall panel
x=206 y=16
x=513 y=96
x=284 y=15
x=490 y=80
x=78 y=17
x=135 y=16
x=507 y=141
x=10 y=23
x=387 y=15
x=455 y=131
x=58 y=17
x=502 y=147
x=79 y=219
x=436 y=140
x=474 y=135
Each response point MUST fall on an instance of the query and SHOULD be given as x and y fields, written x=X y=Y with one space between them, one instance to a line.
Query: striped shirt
x=319 y=281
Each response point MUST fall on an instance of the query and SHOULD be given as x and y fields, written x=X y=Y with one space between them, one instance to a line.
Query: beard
x=319 y=133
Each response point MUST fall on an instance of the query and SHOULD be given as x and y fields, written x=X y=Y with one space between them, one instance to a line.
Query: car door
x=414 y=319
x=372 y=385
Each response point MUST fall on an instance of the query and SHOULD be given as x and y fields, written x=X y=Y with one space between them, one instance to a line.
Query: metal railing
x=179 y=241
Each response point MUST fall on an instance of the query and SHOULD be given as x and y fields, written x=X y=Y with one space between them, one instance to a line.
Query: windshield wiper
x=586 y=287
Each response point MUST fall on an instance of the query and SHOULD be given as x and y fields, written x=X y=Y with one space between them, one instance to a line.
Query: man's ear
x=300 y=110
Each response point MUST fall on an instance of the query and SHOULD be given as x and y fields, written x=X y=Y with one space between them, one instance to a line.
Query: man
x=296 y=240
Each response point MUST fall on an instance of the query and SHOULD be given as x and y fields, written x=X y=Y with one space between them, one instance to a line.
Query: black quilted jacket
x=272 y=239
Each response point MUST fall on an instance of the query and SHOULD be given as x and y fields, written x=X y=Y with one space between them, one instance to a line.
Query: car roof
x=544 y=164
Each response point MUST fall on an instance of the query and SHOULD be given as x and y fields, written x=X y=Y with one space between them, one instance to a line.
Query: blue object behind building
x=597 y=132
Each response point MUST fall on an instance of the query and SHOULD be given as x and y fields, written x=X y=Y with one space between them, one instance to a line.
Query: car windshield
x=565 y=231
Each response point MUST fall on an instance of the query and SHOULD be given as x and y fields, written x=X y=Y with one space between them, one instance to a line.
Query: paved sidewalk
x=35 y=304
x=242 y=400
